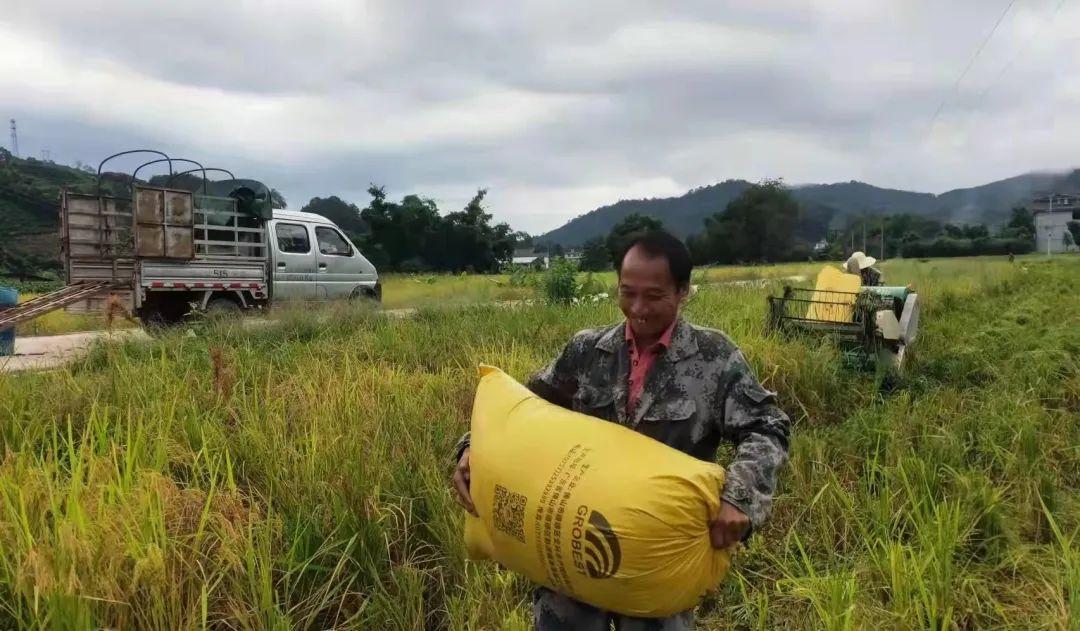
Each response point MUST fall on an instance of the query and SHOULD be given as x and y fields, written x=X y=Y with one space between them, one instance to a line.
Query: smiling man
x=685 y=386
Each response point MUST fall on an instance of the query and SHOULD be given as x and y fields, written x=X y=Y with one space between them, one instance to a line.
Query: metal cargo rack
x=106 y=239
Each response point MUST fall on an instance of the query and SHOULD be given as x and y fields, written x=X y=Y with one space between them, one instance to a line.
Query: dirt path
x=51 y=351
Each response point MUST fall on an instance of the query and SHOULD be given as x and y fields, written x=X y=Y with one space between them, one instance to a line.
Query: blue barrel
x=8 y=299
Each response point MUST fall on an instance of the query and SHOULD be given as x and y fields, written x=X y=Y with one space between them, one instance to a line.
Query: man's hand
x=729 y=527
x=462 y=478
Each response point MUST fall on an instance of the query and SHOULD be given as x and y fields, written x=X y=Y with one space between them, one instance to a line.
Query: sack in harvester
x=589 y=508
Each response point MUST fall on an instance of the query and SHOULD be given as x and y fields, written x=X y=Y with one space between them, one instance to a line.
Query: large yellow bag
x=589 y=508
x=834 y=296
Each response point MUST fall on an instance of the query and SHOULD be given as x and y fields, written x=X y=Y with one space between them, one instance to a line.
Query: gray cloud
x=556 y=107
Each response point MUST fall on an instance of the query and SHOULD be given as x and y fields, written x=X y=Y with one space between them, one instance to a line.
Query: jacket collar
x=683 y=342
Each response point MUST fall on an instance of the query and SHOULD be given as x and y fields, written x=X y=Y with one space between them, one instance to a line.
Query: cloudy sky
x=555 y=107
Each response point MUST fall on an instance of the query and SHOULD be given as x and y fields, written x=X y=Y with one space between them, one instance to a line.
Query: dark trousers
x=554 y=612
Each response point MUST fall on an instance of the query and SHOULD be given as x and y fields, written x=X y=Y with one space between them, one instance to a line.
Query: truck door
x=294 y=262
x=341 y=268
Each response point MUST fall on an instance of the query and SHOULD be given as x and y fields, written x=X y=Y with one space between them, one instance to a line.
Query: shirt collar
x=683 y=341
x=665 y=337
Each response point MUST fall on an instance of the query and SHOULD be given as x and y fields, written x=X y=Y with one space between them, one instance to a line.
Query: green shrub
x=560 y=283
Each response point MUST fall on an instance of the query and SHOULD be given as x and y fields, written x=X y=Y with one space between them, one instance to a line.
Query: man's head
x=654 y=279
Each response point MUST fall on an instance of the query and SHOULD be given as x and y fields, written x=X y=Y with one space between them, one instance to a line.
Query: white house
x=528 y=258
x=1052 y=216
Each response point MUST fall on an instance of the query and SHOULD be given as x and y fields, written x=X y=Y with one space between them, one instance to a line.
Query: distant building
x=529 y=258
x=1052 y=216
x=821 y=246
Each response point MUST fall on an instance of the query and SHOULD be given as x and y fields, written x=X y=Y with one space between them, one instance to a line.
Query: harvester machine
x=873 y=326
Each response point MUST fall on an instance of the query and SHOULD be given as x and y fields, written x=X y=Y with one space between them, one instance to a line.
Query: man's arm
x=557 y=383
x=760 y=432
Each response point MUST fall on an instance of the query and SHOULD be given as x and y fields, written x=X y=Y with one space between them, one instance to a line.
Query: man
x=686 y=386
x=862 y=265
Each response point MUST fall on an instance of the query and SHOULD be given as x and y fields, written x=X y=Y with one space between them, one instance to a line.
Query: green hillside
x=824 y=204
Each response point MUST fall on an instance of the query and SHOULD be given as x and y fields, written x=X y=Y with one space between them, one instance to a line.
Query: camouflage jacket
x=700 y=391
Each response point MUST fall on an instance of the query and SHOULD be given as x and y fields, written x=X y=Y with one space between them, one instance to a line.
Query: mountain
x=683 y=215
x=824 y=205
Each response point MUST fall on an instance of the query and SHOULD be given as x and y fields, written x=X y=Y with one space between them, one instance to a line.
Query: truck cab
x=312 y=259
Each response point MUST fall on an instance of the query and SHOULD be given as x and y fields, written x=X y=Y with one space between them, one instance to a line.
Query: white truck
x=162 y=253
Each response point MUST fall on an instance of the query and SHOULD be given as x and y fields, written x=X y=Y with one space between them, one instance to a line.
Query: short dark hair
x=661 y=243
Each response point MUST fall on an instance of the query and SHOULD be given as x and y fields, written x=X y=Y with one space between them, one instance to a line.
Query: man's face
x=648 y=295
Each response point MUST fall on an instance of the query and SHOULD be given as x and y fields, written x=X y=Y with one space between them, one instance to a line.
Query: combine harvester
x=872 y=325
x=162 y=253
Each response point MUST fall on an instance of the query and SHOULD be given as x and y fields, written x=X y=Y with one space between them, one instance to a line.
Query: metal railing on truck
x=105 y=238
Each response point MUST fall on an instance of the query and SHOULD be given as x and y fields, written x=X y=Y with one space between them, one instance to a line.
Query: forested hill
x=825 y=204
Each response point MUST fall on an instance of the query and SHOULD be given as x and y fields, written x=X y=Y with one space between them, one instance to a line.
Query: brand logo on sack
x=593 y=544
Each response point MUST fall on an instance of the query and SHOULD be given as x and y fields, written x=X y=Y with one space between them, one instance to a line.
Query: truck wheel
x=220 y=308
x=364 y=294
x=158 y=322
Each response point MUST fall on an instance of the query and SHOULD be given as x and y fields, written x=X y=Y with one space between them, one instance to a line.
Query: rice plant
x=294 y=475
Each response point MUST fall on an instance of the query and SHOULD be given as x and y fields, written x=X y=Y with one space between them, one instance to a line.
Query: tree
x=700 y=251
x=522 y=239
x=468 y=242
x=344 y=214
x=20 y=265
x=954 y=231
x=277 y=200
x=1021 y=224
x=412 y=236
x=758 y=225
x=1074 y=228
x=595 y=256
x=631 y=225
x=976 y=231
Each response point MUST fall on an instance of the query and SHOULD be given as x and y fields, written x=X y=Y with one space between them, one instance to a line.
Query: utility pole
x=864 y=233
x=1049 y=230
x=14 y=140
x=883 y=237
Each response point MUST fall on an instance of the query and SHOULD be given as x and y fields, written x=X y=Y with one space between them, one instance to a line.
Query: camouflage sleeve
x=760 y=432
x=555 y=383
x=459 y=448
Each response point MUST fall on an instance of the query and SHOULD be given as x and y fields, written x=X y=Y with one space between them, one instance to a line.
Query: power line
x=971 y=62
x=1019 y=52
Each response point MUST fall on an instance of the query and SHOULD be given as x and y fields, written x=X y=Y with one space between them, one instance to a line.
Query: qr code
x=510 y=513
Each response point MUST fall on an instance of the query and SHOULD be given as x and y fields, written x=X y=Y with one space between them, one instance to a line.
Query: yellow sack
x=834 y=296
x=589 y=508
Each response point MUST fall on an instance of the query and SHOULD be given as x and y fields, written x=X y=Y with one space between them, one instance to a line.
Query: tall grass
x=294 y=475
